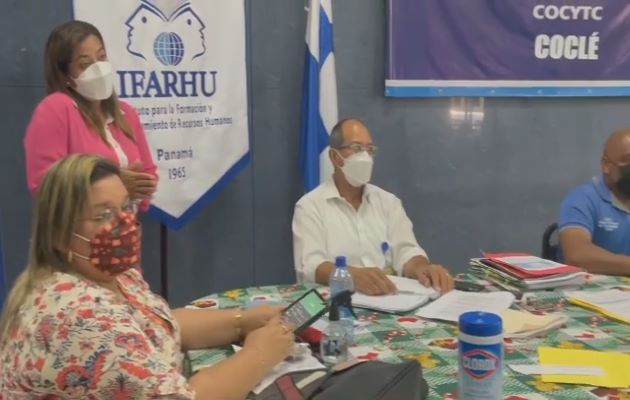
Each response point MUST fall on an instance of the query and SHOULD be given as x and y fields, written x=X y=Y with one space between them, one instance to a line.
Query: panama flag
x=319 y=97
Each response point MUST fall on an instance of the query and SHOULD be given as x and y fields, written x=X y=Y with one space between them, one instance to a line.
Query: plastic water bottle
x=480 y=356
x=341 y=280
x=333 y=347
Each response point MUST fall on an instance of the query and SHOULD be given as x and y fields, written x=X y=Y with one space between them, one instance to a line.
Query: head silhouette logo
x=168 y=31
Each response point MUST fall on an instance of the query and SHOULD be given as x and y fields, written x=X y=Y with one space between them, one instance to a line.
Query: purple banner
x=508 y=48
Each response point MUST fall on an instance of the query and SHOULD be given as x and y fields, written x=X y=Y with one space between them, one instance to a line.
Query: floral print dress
x=74 y=339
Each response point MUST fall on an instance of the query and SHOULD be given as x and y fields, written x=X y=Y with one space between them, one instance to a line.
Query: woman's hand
x=270 y=344
x=258 y=316
x=140 y=185
x=236 y=376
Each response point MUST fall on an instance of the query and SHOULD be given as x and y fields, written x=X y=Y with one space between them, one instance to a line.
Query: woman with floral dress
x=81 y=323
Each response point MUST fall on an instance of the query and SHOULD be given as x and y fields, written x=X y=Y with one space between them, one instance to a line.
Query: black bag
x=372 y=380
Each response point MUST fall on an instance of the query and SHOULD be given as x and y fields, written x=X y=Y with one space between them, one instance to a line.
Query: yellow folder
x=616 y=366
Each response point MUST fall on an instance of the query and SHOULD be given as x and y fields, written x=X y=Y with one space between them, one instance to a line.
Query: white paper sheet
x=413 y=286
x=537 y=369
x=451 y=305
x=389 y=303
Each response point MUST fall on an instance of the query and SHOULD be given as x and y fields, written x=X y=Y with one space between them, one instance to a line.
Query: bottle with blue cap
x=341 y=281
x=334 y=342
x=480 y=356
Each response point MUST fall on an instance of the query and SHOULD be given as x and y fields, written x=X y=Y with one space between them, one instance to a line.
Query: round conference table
x=400 y=337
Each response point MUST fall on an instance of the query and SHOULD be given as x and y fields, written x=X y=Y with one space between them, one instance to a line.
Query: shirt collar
x=330 y=190
x=601 y=188
x=607 y=195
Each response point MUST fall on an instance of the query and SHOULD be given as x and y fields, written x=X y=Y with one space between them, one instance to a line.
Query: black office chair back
x=550 y=243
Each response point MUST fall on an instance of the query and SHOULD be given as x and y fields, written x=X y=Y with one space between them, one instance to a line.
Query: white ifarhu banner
x=181 y=63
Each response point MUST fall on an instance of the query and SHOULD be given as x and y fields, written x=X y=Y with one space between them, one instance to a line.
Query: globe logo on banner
x=189 y=89
x=168 y=47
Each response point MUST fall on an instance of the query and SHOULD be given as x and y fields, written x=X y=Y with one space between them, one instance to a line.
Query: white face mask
x=358 y=168
x=96 y=82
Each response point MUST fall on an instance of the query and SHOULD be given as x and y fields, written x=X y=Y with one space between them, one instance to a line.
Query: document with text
x=451 y=305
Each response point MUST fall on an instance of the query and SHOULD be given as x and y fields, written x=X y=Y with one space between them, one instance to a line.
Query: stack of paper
x=522 y=324
x=613 y=303
x=517 y=271
x=615 y=366
x=451 y=305
x=529 y=265
x=411 y=295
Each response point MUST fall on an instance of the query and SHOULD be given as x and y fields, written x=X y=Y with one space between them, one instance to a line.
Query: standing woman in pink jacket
x=82 y=113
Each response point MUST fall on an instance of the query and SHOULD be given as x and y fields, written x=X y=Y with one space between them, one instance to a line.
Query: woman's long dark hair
x=60 y=47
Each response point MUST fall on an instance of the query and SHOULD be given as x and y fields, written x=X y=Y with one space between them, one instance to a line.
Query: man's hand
x=371 y=281
x=433 y=275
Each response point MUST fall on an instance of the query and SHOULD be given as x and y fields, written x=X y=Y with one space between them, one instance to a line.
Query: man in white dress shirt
x=347 y=216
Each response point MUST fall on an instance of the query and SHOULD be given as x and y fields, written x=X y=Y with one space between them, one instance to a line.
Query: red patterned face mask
x=116 y=247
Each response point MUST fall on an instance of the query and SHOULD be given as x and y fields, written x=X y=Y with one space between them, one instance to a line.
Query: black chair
x=550 y=242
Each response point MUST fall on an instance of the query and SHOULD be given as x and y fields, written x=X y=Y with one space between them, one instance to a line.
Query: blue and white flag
x=319 y=101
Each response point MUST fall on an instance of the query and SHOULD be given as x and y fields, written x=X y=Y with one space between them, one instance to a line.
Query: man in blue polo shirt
x=595 y=217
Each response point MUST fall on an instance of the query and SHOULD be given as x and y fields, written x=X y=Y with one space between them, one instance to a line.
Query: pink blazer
x=57 y=129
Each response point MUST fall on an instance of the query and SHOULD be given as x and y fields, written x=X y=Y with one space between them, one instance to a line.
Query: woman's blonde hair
x=60 y=47
x=59 y=206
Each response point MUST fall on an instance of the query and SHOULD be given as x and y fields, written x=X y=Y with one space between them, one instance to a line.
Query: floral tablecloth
x=398 y=337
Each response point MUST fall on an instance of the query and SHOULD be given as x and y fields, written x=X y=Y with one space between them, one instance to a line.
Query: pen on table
x=386 y=249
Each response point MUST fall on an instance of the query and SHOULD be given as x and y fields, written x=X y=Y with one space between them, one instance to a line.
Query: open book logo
x=479 y=363
x=169 y=31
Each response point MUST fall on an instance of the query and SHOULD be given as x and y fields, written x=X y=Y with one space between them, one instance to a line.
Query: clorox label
x=479 y=364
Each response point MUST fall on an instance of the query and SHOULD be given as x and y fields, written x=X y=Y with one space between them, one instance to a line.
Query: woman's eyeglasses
x=110 y=214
